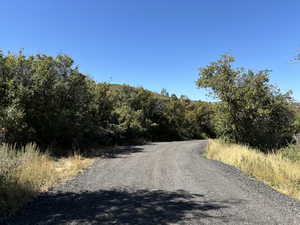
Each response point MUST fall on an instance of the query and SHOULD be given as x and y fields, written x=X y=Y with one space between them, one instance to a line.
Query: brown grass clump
x=25 y=173
x=274 y=169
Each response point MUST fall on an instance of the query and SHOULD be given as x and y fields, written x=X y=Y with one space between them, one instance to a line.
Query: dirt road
x=161 y=183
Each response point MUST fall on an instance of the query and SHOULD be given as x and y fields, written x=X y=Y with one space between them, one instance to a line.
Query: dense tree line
x=47 y=100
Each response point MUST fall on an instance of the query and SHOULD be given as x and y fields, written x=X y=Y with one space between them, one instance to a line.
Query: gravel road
x=159 y=184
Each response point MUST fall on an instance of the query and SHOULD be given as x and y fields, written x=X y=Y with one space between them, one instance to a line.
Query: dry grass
x=27 y=172
x=274 y=169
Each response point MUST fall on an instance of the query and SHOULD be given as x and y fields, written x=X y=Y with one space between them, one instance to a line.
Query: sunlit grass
x=25 y=173
x=280 y=170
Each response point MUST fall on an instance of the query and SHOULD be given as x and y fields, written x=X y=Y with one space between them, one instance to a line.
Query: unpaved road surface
x=161 y=183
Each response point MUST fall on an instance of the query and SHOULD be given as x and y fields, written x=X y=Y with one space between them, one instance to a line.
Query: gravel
x=160 y=183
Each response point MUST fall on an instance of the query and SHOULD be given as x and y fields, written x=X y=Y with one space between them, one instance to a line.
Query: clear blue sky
x=157 y=43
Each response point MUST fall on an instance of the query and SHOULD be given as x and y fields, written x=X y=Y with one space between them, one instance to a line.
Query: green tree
x=48 y=101
x=251 y=110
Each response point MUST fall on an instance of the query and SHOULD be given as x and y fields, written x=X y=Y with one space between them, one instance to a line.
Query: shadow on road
x=113 y=151
x=109 y=207
x=120 y=151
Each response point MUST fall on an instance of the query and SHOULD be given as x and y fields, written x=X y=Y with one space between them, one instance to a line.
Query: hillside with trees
x=48 y=101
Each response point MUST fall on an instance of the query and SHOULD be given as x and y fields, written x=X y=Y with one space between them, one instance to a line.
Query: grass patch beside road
x=280 y=170
x=27 y=172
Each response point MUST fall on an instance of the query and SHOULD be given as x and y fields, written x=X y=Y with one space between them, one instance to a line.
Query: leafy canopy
x=250 y=110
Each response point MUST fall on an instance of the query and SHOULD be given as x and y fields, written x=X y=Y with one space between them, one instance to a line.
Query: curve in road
x=161 y=183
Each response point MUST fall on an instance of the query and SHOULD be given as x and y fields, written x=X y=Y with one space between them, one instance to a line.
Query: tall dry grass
x=280 y=170
x=26 y=172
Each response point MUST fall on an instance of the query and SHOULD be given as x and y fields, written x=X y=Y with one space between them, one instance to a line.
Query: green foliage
x=142 y=114
x=296 y=111
x=46 y=100
x=251 y=110
x=291 y=152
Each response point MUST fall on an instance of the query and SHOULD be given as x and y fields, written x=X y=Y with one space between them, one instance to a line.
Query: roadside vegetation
x=255 y=124
x=250 y=111
x=47 y=101
x=280 y=170
x=25 y=172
